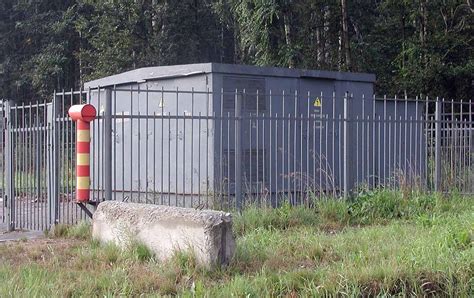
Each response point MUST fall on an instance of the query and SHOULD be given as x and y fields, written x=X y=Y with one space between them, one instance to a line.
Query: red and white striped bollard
x=82 y=115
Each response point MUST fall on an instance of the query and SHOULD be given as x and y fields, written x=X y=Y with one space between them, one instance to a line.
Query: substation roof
x=144 y=74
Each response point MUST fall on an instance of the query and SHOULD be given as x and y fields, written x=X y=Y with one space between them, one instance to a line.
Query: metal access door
x=26 y=171
x=37 y=151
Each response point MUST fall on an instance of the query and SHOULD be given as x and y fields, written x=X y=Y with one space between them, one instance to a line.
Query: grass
x=381 y=243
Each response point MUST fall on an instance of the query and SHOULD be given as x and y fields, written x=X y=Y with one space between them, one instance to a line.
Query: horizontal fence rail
x=227 y=149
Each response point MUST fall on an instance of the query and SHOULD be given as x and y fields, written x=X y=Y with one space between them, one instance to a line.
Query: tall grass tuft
x=80 y=231
x=139 y=251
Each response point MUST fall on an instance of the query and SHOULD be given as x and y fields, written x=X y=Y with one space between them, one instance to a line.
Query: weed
x=60 y=230
x=80 y=231
x=381 y=244
x=279 y=218
x=186 y=262
x=111 y=253
x=140 y=251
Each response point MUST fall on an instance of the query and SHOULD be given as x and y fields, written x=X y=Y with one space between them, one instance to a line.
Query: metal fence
x=223 y=150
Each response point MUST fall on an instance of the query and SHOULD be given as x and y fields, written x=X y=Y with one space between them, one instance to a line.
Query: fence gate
x=37 y=164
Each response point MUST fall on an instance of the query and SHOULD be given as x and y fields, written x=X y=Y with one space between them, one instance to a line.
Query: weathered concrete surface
x=164 y=229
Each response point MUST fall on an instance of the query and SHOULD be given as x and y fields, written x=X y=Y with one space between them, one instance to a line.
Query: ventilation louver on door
x=253 y=170
x=253 y=97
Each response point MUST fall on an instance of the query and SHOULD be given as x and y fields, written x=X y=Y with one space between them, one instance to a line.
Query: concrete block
x=164 y=229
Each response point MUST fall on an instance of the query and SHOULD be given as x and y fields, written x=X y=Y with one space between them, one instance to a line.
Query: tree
x=36 y=53
x=413 y=46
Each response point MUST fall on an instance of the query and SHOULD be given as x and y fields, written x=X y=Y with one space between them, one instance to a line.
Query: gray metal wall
x=292 y=148
x=165 y=155
x=291 y=136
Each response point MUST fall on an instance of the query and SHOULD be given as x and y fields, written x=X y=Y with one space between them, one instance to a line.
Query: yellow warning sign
x=317 y=102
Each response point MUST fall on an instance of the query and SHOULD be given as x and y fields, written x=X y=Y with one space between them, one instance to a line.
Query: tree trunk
x=288 y=41
x=326 y=42
x=153 y=16
x=316 y=20
x=423 y=22
x=319 y=52
x=345 y=36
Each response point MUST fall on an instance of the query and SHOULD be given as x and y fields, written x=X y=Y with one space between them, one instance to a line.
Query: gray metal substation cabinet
x=189 y=132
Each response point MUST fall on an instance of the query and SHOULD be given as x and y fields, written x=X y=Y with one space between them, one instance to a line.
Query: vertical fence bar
x=16 y=169
x=470 y=132
x=405 y=122
x=123 y=153
x=176 y=136
x=30 y=173
x=385 y=140
x=301 y=171
x=320 y=153
x=9 y=169
x=346 y=143
x=66 y=162
x=44 y=158
x=21 y=198
x=221 y=146
x=37 y=164
x=437 y=178
x=147 y=116
x=297 y=174
x=108 y=144
x=2 y=159
x=416 y=172
x=356 y=184
x=374 y=144
x=61 y=166
x=257 y=138
x=207 y=145
x=363 y=142
x=184 y=160
x=427 y=134
x=115 y=134
x=131 y=143
x=264 y=162
x=139 y=149
x=238 y=151
x=271 y=163
x=161 y=105
x=54 y=196
x=379 y=146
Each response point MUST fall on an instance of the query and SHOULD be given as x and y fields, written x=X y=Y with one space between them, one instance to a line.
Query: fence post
x=346 y=150
x=238 y=151
x=38 y=163
x=108 y=144
x=10 y=185
x=52 y=162
x=437 y=172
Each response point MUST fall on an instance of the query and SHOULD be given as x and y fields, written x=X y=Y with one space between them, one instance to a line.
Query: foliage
x=414 y=47
x=81 y=230
x=427 y=251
